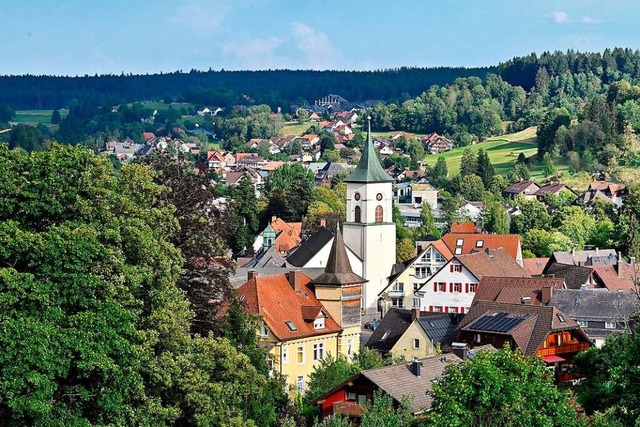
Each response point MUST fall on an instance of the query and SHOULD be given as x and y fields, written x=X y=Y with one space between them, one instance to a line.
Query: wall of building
x=405 y=345
x=461 y=301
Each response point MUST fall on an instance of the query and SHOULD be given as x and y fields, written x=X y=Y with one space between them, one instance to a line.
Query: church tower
x=369 y=229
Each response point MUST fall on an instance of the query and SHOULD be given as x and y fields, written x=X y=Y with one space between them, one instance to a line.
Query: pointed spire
x=369 y=168
x=338 y=270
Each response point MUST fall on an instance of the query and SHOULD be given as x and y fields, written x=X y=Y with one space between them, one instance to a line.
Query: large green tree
x=290 y=191
x=96 y=332
x=499 y=388
x=243 y=215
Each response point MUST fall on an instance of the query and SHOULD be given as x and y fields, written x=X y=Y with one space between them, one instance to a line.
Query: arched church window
x=358 y=214
x=379 y=214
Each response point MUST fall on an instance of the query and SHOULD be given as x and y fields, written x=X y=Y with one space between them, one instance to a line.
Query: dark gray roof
x=268 y=258
x=310 y=247
x=441 y=328
x=390 y=329
x=607 y=256
x=240 y=276
x=573 y=275
x=338 y=270
x=596 y=304
x=369 y=168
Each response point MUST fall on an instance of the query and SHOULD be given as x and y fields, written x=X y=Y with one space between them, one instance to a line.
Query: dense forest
x=276 y=88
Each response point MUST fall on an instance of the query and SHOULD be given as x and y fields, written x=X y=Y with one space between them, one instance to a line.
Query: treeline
x=277 y=88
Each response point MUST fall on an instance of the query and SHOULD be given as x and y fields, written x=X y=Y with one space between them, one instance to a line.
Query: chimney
x=273 y=219
x=323 y=222
x=415 y=367
x=619 y=264
x=573 y=252
x=415 y=313
x=547 y=294
x=597 y=251
x=251 y=274
x=295 y=279
x=460 y=349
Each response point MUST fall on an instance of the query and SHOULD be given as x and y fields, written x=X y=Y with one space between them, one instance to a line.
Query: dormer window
x=458 y=251
x=479 y=243
x=319 y=322
x=264 y=330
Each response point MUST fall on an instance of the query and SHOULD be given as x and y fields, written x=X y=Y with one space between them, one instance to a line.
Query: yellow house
x=426 y=335
x=304 y=321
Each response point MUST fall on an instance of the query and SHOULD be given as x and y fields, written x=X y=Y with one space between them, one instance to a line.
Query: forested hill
x=273 y=87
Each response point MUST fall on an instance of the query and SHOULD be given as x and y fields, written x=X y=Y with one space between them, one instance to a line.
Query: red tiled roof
x=240 y=156
x=277 y=302
x=289 y=234
x=440 y=246
x=148 y=135
x=491 y=262
x=471 y=242
x=534 y=266
x=513 y=289
x=608 y=275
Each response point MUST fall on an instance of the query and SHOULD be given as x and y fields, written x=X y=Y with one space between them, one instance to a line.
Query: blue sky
x=76 y=37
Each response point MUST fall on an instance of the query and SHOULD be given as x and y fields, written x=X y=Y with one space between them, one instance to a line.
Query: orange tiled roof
x=534 y=266
x=289 y=234
x=491 y=262
x=608 y=274
x=463 y=227
x=440 y=246
x=277 y=302
x=512 y=289
x=471 y=242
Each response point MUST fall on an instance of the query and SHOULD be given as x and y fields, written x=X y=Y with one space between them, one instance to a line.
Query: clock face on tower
x=379 y=196
x=356 y=196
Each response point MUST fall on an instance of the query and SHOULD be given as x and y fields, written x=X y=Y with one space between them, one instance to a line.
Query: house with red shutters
x=452 y=288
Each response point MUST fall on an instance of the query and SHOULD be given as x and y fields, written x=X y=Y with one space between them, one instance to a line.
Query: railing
x=351 y=409
x=563 y=349
x=395 y=293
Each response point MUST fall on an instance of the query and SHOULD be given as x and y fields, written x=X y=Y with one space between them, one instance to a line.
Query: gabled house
x=536 y=330
x=525 y=188
x=574 y=276
x=284 y=235
x=305 y=320
x=314 y=251
x=414 y=379
x=555 y=188
x=604 y=190
x=599 y=313
x=436 y=144
x=452 y=289
x=427 y=335
x=466 y=243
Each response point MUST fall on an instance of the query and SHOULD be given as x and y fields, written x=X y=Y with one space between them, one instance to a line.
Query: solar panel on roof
x=497 y=322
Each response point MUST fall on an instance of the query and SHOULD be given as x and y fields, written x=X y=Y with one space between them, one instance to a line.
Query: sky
x=77 y=37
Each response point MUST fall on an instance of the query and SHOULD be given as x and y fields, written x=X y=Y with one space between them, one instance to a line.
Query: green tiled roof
x=369 y=168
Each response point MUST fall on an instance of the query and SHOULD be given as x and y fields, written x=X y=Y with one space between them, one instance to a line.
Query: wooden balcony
x=350 y=409
x=563 y=349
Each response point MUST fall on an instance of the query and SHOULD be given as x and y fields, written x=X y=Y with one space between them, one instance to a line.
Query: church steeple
x=338 y=270
x=369 y=168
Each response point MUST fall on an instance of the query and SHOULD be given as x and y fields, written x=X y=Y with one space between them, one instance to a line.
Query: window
x=452 y=310
x=416 y=343
x=357 y=214
x=384 y=336
x=442 y=286
x=421 y=272
x=436 y=309
x=458 y=251
x=350 y=347
x=416 y=303
x=478 y=338
x=479 y=243
x=300 y=384
x=397 y=303
x=379 y=214
x=416 y=286
x=472 y=287
x=356 y=196
x=457 y=268
x=285 y=356
x=610 y=325
x=362 y=399
x=583 y=323
x=352 y=395
x=301 y=355
x=439 y=257
x=318 y=351
x=560 y=318
x=319 y=323
x=459 y=242
x=427 y=256
x=290 y=325
x=265 y=331
x=398 y=287
x=457 y=287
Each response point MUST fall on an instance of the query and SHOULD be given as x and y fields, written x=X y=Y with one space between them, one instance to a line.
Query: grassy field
x=161 y=106
x=503 y=152
x=35 y=117
x=294 y=128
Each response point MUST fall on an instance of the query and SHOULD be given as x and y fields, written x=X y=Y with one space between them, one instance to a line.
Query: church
x=369 y=230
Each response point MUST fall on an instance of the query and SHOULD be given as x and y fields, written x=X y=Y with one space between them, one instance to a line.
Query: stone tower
x=369 y=229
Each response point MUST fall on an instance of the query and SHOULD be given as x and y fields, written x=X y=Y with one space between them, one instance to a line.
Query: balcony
x=395 y=293
x=564 y=349
x=350 y=409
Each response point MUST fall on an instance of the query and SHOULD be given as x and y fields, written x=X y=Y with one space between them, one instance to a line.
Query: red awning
x=553 y=359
